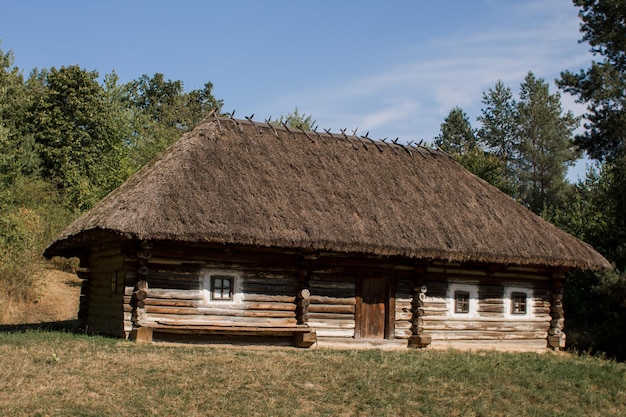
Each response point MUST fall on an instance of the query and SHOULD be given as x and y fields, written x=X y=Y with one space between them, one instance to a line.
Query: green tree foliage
x=546 y=148
x=457 y=135
x=67 y=138
x=296 y=120
x=18 y=153
x=457 y=138
x=602 y=86
x=80 y=148
x=597 y=301
x=498 y=132
x=523 y=147
x=161 y=111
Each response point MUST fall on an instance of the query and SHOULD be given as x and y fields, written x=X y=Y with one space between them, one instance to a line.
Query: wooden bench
x=303 y=336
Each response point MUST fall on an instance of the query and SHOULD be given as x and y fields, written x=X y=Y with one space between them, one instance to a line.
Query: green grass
x=60 y=374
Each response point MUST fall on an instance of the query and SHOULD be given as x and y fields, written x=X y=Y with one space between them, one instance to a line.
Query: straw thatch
x=237 y=182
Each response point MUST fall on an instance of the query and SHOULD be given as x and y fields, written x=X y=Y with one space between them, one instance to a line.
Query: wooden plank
x=217 y=320
x=389 y=308
x=481 y=335
x=315 y=284
x=269 y=298
x=217 y=312
x=488 y=308
x=268 y=279
x=343 y=333
x=495 y=326
x=331 y=324
x=403 y=324
x=402 y=333
x=270 y=289
x=319 y=299
x=332 y=308
x=330 y=316
x=203 y=304
x=401 y=315
x=179 y=294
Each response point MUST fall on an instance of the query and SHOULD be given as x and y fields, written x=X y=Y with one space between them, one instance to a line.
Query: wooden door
x=372 y=308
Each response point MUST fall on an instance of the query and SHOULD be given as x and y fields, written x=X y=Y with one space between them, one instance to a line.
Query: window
x=221 y=287
x=461 y=302
x=518 y=303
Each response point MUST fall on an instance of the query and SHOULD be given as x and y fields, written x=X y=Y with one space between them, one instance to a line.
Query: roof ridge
x=364 y=141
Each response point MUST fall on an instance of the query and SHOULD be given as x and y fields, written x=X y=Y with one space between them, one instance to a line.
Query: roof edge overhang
x=86 y=240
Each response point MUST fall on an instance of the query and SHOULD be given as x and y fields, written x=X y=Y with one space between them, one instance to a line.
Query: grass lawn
x=60 y=374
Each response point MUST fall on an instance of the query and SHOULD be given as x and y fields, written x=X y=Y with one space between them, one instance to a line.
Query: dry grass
x=59 y=374
x=54 y=297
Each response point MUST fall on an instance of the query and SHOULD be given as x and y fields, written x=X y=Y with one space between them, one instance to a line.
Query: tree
x=457 y=135
x=546 y=148
x=601 y=310
x=162 y=111
x=602 y=87
x=296 y=120
x=80 y=144
x=498 y=133
x=18 y=155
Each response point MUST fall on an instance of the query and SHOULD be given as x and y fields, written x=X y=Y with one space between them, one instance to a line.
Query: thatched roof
x=237 y=182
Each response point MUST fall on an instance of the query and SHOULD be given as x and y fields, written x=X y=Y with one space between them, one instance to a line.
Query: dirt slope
x=57 y=300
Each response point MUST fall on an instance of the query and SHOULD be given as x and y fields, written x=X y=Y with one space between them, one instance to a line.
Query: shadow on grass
x=72 y=326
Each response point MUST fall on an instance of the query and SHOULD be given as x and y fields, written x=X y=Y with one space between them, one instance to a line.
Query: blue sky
x=393 y=68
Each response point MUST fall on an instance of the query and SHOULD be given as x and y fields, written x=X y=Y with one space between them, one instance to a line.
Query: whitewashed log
x=179 y=294
x=462 y=326
x=332 y=324
x=343 y=333
x=477 y=335
x=330 y=316
x=217 y=320
x=402 y=333
x=269 y=298
x=400 y=315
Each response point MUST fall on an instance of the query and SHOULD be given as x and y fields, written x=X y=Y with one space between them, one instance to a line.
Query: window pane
x=461 y=301
x=221 y=288
x=519 y=305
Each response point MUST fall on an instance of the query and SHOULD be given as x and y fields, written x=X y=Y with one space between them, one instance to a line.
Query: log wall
x=175 y=292
x=491 y=326
x=332 y=304
x=160 y=284
x=405 y=295
x=101 y=308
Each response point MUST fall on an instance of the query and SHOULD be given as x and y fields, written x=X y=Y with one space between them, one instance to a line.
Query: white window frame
x=472 y=290
x=508 y=303
x=207 y=276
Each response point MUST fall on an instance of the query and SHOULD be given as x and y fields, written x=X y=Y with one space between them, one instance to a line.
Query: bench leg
x=305 y=339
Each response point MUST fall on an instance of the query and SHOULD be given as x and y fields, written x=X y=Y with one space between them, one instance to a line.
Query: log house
x=248 y=232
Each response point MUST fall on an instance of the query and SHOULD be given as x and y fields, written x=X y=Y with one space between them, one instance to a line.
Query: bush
x=31 y=214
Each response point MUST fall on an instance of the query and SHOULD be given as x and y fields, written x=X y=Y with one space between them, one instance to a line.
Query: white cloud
x=412 y=95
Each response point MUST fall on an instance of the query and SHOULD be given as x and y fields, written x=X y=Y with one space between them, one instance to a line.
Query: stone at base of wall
x=557 y=342
x=420 y=341
x=141 y=335
x=305 y=339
